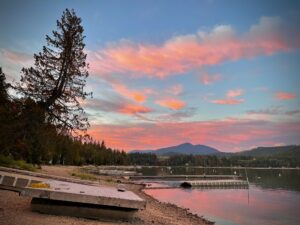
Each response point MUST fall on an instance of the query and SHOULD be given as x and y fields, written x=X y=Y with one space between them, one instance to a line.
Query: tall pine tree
x=57 y=80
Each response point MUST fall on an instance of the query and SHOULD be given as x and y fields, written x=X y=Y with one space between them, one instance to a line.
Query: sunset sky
x=219 y=73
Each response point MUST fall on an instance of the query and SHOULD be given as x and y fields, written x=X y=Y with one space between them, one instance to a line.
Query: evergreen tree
x=5 y=116
x=57 y=80
x=3 y=88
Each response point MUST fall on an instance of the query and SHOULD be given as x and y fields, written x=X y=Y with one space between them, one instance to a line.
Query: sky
x=219 y=73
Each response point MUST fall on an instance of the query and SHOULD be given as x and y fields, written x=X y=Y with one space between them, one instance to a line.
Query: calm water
x=273 y=196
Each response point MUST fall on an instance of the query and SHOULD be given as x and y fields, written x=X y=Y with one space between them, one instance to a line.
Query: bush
x=8 y=161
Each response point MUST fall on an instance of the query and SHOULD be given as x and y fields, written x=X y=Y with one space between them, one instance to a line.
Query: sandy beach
x=16 y=210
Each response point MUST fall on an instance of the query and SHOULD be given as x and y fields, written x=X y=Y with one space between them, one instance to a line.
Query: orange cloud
x=285 y=95
x=170 y=103
x=187 y=52
x=137 y=96
x=134 y=109
x=229 y=101
x=207 y=79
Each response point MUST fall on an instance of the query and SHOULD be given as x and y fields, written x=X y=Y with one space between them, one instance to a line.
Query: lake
x=273 y=196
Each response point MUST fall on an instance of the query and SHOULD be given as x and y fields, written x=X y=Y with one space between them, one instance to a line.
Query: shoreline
x=178 y=213
x=14 y=208
x=202 y=167
x=185 y=210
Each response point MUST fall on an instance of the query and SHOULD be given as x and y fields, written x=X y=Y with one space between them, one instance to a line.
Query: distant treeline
x=281 y=160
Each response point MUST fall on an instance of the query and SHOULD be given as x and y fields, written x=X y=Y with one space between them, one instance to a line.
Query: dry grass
x=84 y=176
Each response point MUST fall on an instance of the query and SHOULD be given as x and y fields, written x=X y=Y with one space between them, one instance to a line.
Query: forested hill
x=189 y=149
x=280 y=151
x=285 y=156
x=186 y=149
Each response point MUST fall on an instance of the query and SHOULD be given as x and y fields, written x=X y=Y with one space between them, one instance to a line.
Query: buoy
x=185 y=185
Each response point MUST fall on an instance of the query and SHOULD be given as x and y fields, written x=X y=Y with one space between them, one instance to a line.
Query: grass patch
x=84 y=176
x=8 y=161
x=109 y=180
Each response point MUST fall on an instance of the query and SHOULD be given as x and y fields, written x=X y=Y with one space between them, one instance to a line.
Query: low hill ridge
x=185 y=148
x=190 y=149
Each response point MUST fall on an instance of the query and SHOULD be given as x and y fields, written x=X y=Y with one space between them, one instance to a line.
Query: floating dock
x=202 y=184
x=110 y=172
x=186 y=177
x=73 y=199
x=215 y=183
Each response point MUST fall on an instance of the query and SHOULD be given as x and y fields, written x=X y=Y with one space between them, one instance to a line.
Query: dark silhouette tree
x=57 y=80
x=3 y=88
x=5 y=116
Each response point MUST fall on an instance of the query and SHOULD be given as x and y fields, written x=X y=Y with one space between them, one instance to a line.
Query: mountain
x=185 y=149
x=280 y=151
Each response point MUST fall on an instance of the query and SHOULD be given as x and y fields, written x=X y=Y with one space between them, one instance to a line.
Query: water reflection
x=233 y=206
x=272 y=198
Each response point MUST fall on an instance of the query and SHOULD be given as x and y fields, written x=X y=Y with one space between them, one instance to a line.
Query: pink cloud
x=171 y=103
x=176 y=89
x=228 y=101
x=230 y=98
x=187 y=52
x=207 y=79
x=225 y=135
x=234 y=93
x=285 y=95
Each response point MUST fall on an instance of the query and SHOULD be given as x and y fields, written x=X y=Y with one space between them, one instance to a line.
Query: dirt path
x=15 y=210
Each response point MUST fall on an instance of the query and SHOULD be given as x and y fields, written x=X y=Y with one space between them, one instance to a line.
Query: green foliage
x=8 y=161
x=286 y=160
x=142 y=159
